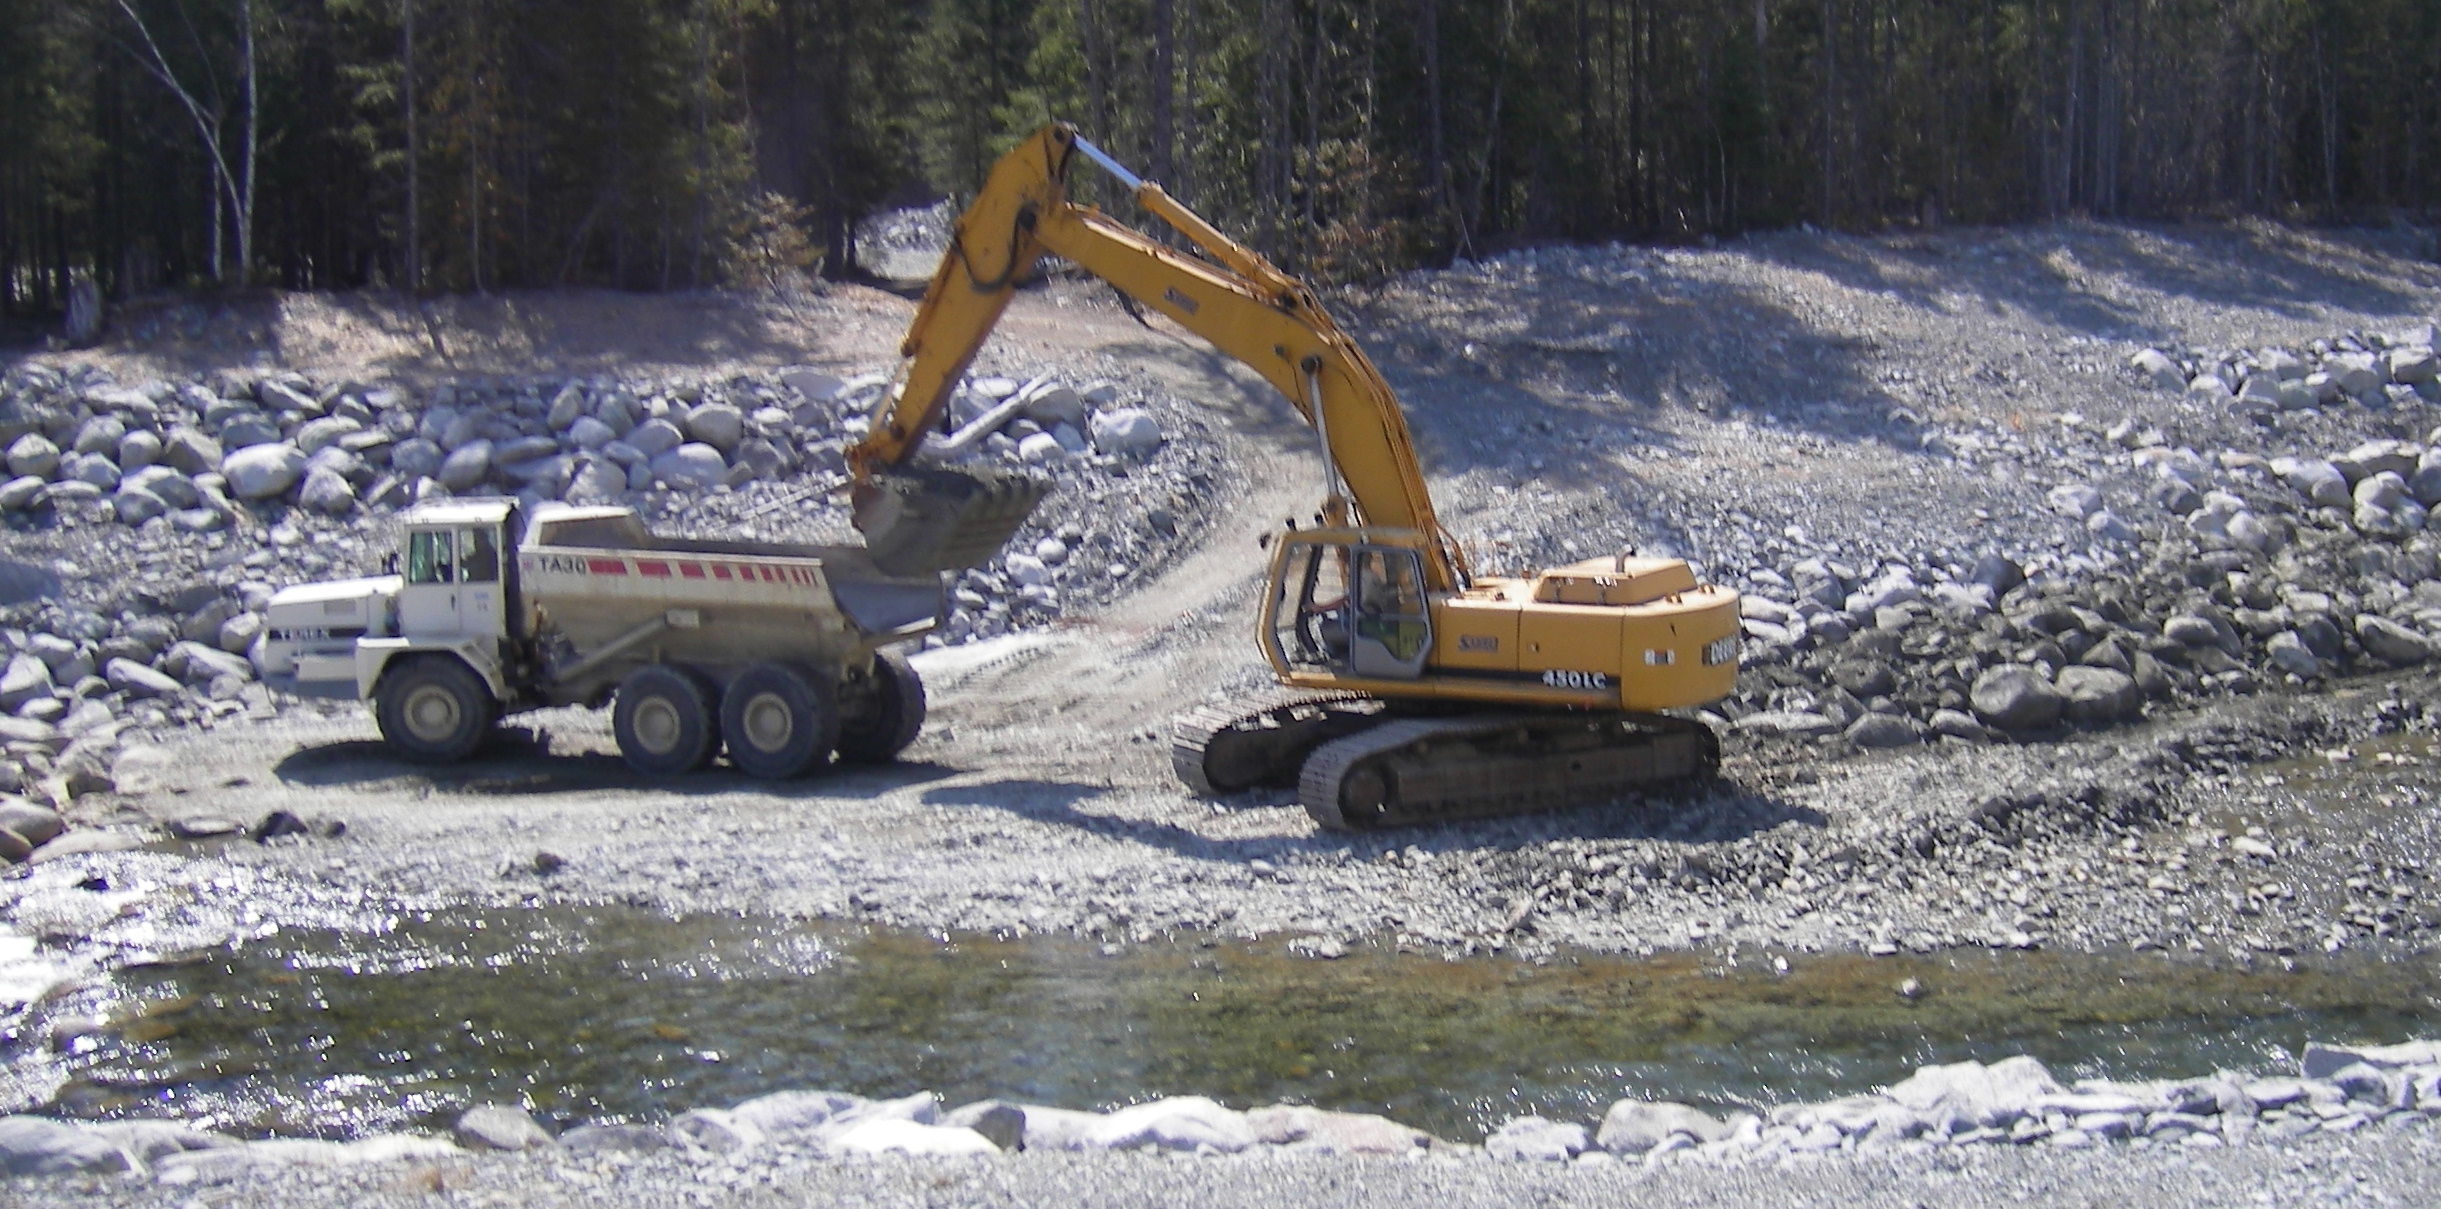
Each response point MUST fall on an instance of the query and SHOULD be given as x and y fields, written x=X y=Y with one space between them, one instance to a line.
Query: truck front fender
x=374 y=656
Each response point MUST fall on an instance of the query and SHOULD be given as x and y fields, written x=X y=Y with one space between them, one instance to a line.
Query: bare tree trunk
x=415 y=243
x=1436 y=143
x=1165 y=87
x=1184 y=156
x=699 y=219
x=1097 y=83
x=245 y=198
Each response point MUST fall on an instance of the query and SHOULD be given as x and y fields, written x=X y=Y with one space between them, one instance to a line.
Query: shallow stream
x=614 y=1013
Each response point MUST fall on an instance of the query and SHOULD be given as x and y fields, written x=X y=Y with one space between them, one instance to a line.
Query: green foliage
x=669 y=144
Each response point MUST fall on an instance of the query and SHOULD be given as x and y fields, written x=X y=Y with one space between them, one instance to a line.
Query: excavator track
x=1436 y=770
x=1263 y=740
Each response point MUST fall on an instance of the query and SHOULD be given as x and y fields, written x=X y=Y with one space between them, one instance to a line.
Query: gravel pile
x=2016 y=1101
x=151 y=523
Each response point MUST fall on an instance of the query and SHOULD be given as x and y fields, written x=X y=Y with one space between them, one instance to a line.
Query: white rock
x=1980 y=1096
x=1533 y=1139
x=907 y=1137
x=1637 y=1126
x=2156 y=365
x=590 y=433
x=692 y=465
x=795 y=1112
x=1177 y=1123
x=1127 y=431
x=33 y=454
x=715 y=1130
x=1041 y=449
x=40 y=1146
x=325 y=491
x=261 y=471
x=2318 y=481
x=718 y=425
x=2075 y=500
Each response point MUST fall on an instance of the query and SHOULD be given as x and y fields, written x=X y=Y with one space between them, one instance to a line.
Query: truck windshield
x=431 y=557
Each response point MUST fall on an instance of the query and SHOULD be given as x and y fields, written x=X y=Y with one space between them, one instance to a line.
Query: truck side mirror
x=389 y=563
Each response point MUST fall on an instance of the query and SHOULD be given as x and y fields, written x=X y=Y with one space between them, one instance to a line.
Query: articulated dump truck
x=783 y=654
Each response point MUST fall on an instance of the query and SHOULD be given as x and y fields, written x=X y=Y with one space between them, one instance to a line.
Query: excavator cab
x=1345 y=604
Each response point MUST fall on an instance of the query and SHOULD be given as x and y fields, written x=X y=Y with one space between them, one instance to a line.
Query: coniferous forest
x=448 y=145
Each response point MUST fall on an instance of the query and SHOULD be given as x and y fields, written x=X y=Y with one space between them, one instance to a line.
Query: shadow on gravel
x=1725 y=813
x=520 y=762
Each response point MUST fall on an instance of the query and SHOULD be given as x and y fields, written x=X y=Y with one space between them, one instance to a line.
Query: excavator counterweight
x=1413 y=690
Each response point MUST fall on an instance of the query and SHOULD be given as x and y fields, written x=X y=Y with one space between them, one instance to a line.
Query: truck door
x=453 y=586
x=428 y=600
x=481 y=608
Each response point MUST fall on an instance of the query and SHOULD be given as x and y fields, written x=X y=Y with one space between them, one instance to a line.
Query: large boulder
x=467 y=466
x=1128 y=431
x=500 y=1127
x=39 y=1146
x=1874 y=730
x=1970 y=1095
x=2391 y=642
x=262 y=471
x=2319 y=482
x=1177 y=1123
x=1637 y=1126
x=566 y=406
x=910 y=1138
x=693 y=465
x=136 y=680
x=2157 y=366
x=2016 y=697
x=314 y=434
x=655 y=437
x=33 y=454
x=1333 y=1132
x=100 y=435
x=327 y=491
x=718 y=425
x=1053 y=405
x=174 y=488
x=2098 y=694
x=1533 y=1139
x=26 y=678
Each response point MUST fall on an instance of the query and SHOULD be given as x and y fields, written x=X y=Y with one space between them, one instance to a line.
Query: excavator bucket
x=921 y=519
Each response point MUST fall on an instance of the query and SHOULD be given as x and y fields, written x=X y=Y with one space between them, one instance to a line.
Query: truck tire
x=892 y=714
x=666 y=720
x=434 y=709
x=779 y=720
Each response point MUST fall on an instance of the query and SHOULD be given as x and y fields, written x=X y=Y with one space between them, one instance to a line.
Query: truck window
x=431 y=557
x=479 y=561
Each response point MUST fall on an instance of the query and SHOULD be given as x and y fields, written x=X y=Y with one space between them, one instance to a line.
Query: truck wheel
x=892 y=715
x=434 y=709
x=779 y=720
x=665 y=720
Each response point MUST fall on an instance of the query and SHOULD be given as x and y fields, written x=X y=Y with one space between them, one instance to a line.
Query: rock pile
x=2372 y=369
x=2339 y=1089
x=183 y=504
x=2016 y=1101
x=2263 y=572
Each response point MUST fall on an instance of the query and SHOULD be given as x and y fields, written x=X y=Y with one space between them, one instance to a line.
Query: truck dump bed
x=591 y=579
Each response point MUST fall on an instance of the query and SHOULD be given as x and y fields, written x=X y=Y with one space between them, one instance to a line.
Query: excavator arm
x=1236 y=299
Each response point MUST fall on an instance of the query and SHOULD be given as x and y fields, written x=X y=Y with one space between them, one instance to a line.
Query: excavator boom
x=1237 y=300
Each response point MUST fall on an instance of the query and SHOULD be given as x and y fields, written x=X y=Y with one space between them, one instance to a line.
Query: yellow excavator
x=1412 y=690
